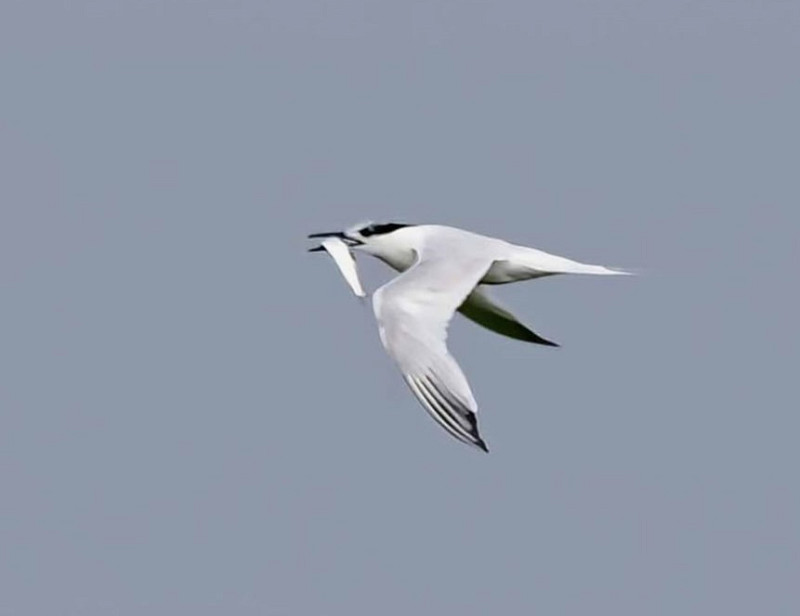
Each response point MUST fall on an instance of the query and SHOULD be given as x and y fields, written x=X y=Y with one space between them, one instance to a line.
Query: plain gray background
x=197 y=416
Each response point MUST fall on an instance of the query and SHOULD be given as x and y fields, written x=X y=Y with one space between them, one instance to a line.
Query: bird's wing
x=413 y=312
x=482 y=309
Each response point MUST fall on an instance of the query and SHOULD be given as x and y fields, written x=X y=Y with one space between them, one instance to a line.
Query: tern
x=443 y=270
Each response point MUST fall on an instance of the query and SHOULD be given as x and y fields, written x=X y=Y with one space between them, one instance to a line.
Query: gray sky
x=196 y=415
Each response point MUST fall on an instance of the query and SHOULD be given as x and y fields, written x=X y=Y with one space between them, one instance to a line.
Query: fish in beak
x=336 y=247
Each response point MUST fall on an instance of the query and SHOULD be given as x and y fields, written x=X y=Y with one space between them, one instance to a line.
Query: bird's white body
x=443 y=271
x=509 y=262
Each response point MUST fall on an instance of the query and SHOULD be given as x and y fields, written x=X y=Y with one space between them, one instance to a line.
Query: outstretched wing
x=413 y=312
x=481 y=308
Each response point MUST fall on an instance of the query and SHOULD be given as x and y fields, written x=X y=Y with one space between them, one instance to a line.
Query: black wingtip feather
x=535 y=338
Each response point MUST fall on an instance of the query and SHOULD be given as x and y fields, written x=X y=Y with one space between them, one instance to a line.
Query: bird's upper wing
x=413 y=312
x=483 y=310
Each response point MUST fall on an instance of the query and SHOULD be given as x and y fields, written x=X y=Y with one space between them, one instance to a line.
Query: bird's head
x=393 y=243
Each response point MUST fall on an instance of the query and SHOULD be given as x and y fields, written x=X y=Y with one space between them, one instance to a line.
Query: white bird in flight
x=443 y=270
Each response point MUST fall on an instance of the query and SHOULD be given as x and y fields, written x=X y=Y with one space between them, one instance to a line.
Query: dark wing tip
x=449 y=412
x=474 y=435
x=531 y=336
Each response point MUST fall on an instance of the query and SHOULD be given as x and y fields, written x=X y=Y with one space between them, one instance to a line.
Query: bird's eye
x=367 y=231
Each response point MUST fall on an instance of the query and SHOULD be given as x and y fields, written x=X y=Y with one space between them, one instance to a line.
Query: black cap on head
x=381 y=229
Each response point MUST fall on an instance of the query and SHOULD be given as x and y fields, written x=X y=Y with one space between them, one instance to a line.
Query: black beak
x=342 y=236
x=338 y=234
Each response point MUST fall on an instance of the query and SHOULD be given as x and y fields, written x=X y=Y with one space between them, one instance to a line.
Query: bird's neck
x=398 y=260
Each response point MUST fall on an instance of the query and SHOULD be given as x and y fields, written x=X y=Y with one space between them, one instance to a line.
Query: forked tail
x=553 y=264
x=600 y=270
